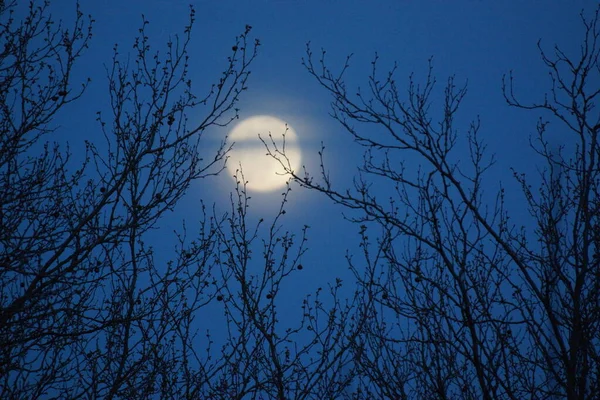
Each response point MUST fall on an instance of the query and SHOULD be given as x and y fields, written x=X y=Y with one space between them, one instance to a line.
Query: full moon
x=261 y=171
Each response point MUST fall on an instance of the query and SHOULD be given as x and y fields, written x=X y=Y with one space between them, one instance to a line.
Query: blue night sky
x=478 y=41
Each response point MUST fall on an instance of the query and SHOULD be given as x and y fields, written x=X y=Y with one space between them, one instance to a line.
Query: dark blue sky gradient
x=478 y=41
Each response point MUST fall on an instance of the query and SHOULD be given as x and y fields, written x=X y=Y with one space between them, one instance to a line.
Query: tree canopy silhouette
x=454 y=299
x=459 y=300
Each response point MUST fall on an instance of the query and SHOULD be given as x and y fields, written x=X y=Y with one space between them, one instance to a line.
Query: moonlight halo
x=262 y=172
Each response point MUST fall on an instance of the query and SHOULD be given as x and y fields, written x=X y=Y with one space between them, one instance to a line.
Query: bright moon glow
x=262 y=172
